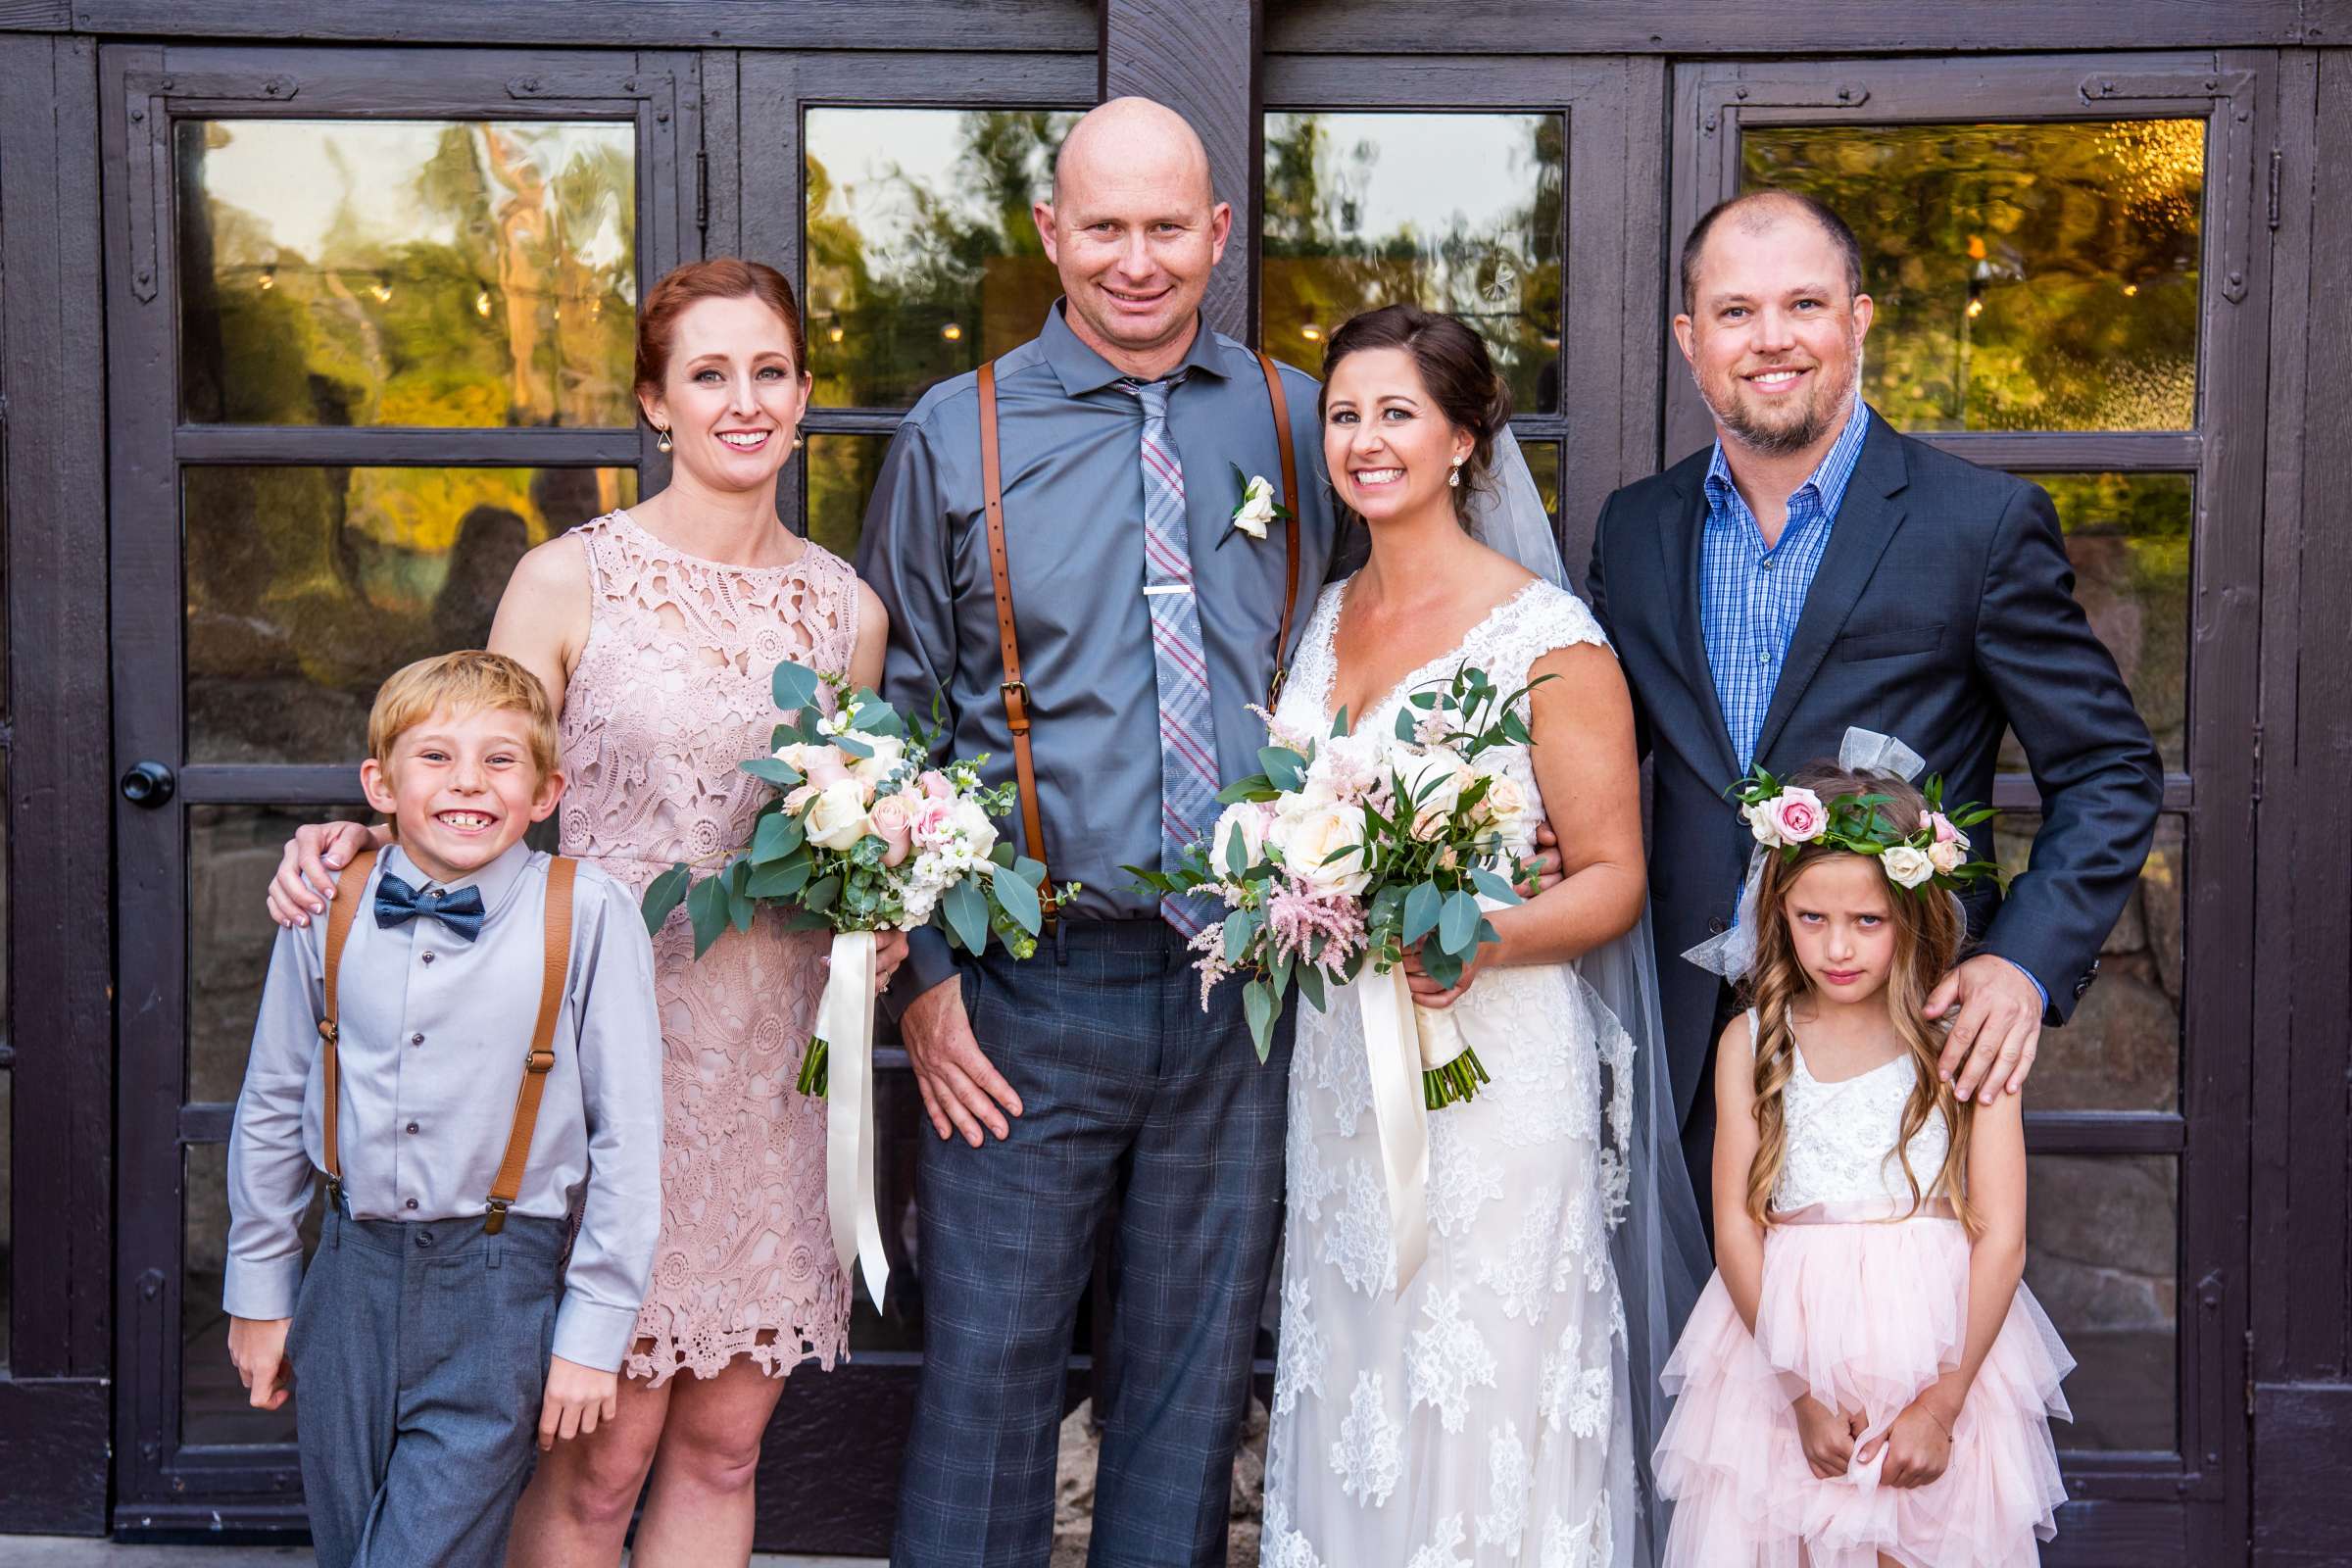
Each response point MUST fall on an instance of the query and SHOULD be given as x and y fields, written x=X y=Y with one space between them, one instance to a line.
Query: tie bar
x=1152 y=589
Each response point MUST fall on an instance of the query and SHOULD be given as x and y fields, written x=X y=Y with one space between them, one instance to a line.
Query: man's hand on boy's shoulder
x=257 y=1348
x=577 y=1399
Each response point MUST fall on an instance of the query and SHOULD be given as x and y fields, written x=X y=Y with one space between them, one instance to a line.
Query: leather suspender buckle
x=494 y=1216
x=539 y=1061
x=1017 y=705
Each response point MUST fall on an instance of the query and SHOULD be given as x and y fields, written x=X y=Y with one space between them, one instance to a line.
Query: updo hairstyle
x=1454 y=365
x=725 y=278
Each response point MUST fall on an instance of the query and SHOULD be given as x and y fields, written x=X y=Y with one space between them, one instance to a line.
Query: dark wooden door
x=2072 y=271
x=370 y=324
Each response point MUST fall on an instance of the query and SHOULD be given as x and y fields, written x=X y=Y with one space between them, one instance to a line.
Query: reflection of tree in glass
x=944 y=272
x=1500 y=273
x=2027 y=276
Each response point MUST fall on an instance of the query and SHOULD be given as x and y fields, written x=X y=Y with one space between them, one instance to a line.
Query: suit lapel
x=1866 y=523
x=1679 y=542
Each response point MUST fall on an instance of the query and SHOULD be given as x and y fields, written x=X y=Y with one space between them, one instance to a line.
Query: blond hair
x=1928 y=935
x=469 y=681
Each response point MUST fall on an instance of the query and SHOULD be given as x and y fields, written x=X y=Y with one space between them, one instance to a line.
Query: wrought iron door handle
x=148 y=784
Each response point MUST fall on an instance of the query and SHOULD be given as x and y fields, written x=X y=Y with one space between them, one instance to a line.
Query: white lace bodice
x=1842 y=1138
x=1505 y=644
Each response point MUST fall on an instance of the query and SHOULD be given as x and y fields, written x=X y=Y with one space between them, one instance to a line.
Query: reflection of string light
x=834 y=335
x=2129 y=289
x=382 y=290
x=952 y=333
x=1313 y=334
x=481 y=303
x=558 y=312
x=1975 y=308
x=269 y=278
x=596 y=307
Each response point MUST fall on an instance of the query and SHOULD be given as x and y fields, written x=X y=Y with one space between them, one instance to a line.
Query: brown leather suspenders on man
x=1017 y=692
x=535 y=1066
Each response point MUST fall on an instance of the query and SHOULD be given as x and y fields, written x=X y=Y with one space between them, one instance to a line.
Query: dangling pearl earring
x=796 y=443
x=1453 y=480
x=662 y=438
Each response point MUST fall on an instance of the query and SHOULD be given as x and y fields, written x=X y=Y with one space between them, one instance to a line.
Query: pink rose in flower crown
x=935 y=785
x=893 y=822
x=1946 y=855
x=1797 y=816
x=1945 y=833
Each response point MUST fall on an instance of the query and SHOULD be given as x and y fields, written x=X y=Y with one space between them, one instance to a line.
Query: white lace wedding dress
x=1480 y=1419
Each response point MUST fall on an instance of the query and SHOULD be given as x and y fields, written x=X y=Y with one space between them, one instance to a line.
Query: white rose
x=974 y=824
x=1947 y=854
x=1759 y=823
x=836 y=819
x=889 y=751
x=1434 y=785
x=1310 y=841
x=1246 y=820
x=1906 y=866
x=1256 y=509
x=1506 y=803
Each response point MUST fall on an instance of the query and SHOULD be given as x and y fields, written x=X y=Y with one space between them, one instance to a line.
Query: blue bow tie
x=396 y=902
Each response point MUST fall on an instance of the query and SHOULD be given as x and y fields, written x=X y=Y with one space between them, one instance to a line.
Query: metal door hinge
x=2233 y=156
x=148 y=100
x=2249 y=1377
x=702 y=193
x=2277 y=158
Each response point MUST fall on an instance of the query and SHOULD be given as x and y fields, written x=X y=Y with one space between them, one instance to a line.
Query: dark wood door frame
x=161 y=1482
x=2190 y=1508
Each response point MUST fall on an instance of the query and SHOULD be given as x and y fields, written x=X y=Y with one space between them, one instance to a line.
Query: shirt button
x=428 y=957
x=411 y=1202
x=416 y=1040
x=423 y=1238
x=412 y=1126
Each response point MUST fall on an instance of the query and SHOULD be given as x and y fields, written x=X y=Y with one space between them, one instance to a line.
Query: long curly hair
x=1928 y=935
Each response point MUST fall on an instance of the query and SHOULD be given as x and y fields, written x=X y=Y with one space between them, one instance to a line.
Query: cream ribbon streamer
x=1392 y=1040
x=845 y=1021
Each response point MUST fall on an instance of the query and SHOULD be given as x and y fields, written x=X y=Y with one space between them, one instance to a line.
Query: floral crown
x=1787 y=818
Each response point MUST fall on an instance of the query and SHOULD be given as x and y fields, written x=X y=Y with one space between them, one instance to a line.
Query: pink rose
x=799 y=799
x=932 y=822
x=893 y=822
x=1797 y=816
x=935 y=785
x=825 y=768
x=1945 y=833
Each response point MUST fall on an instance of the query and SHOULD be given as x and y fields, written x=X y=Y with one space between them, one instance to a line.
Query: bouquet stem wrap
x=844 y=1022
x=1392 y=1037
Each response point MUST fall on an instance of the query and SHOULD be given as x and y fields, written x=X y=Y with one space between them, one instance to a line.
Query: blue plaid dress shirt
x=1748 y=596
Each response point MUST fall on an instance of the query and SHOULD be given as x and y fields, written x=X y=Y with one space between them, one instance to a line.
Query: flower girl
x=1865 y=1382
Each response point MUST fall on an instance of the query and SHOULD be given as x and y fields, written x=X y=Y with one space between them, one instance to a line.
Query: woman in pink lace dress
x=656 y=630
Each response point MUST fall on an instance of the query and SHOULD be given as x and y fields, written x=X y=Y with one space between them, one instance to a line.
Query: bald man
x=1146 y=625
x=1816 y=570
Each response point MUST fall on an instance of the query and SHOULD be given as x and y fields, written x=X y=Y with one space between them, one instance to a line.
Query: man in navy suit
x=1817 y=569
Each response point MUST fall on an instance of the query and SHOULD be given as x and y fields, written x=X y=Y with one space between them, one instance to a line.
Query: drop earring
x=662 y=441
x=1453 y=480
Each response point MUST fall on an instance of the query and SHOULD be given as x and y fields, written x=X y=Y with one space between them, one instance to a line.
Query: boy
x=428 y=1337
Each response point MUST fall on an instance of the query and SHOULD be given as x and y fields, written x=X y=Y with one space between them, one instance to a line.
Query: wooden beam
x=1200 y=58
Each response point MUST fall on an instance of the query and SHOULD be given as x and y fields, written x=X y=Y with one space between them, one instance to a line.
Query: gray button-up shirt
x=1071 y=447
x=433 y=1032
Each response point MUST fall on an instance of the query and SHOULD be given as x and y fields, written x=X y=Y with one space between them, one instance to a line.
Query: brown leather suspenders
x=535 y=1066
x=1016 y=691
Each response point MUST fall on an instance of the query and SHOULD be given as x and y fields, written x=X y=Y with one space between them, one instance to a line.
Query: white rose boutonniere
x=1258 y=510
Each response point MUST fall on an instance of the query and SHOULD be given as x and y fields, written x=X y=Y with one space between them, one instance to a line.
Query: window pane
x=232 y=854
x=1456 y=213
x=2121 y=1049
x=214 y=1405
x=2127 y=535
x=305 y=587
x=1544 y=464
x=842 y=471
x=922 y=257
x=2027 y=276
x=2101 y=1255
x=435 y=273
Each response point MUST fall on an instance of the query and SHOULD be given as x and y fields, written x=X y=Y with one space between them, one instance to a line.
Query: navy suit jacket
x=1942 y=613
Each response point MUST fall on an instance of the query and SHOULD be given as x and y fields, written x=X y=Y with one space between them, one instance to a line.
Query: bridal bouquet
x=1345 y=852
x=862 y=836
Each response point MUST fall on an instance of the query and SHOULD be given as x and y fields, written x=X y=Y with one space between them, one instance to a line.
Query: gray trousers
x=1125 y=1084
x=419 y=1354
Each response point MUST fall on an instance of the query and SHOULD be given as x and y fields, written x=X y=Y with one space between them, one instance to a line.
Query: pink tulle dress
x=1863 y=1311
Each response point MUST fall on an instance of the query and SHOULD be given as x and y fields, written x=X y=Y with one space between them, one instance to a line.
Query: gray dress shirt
x=1072 y=448
x=434 y=1031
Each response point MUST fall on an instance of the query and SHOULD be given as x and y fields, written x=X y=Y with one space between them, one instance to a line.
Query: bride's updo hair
x=1456 y=368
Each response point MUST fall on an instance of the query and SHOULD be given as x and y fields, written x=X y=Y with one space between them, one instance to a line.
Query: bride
x=1499 y=1408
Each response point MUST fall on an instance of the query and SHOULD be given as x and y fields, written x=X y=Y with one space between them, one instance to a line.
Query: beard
x=1792 y=431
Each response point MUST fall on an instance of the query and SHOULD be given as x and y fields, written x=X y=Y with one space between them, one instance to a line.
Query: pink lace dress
x=671 y=691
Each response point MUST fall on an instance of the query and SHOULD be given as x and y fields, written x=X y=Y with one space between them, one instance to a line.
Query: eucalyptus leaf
x=1259 y=1003
x=1421 y=909
x=820 y=894
x=796 y=685
x=1310 y=985
x=778 y=835
x=706 y=907
x=1285 y=768
x=1407 y=727
x=853 y=746
x=662 y=894
x=1019 y=899
x=1458 y=926
x=1493 y=886
x=965 y=909
x=1240 y=926
x=1030 y=872
x=1339 y=725
x=773 y=771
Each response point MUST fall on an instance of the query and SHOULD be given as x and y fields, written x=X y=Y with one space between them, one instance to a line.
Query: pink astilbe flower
x=1294 y=918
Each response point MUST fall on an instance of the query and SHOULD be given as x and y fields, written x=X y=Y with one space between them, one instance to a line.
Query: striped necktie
x=1188 y=744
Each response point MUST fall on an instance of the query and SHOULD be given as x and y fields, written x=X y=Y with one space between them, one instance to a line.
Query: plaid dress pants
x=1126 y=1084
